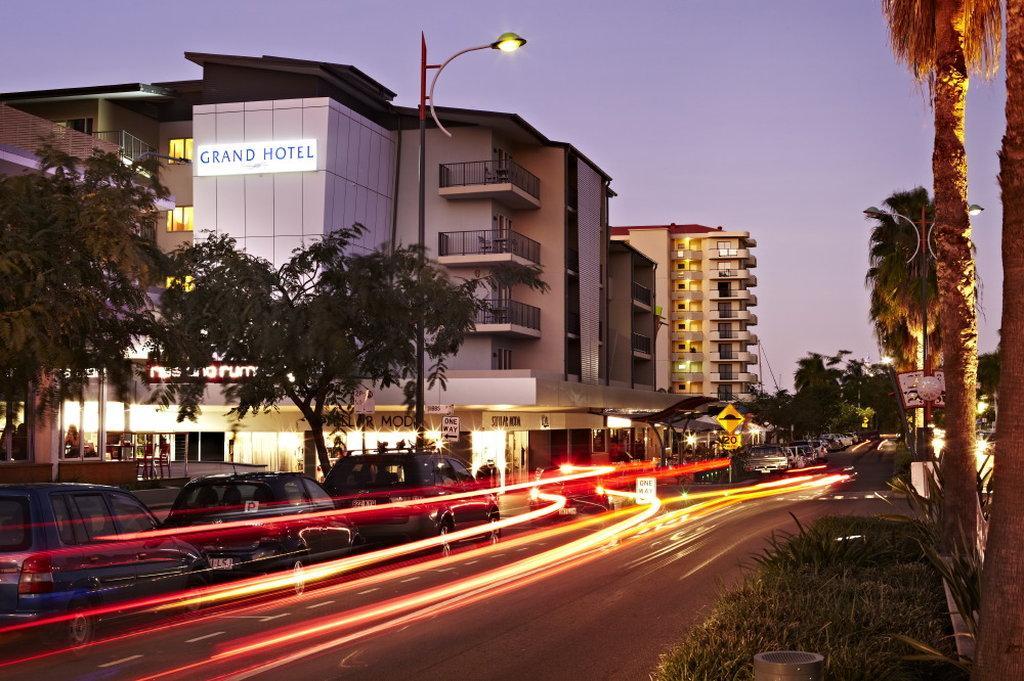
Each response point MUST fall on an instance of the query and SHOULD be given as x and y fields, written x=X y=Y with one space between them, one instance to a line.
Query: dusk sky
x=783 y=118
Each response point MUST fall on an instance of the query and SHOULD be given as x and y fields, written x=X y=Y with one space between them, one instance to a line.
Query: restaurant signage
x=215 y=372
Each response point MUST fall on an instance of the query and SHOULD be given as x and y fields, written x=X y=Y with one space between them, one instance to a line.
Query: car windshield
x=14 y=524
x=357 y=472
x=226 y=495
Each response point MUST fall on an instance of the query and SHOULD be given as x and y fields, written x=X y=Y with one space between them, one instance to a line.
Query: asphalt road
x=608 y=617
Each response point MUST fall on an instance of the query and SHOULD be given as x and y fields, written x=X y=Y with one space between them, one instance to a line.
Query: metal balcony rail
x=727 y=355
x=727 y=333
x=728 y=252
x=28 y=132
x=489 y=172
x=726 y=313
x=488 y=241
x=642 y=343
x=641 y=294
x=131 y=146
x=504 y=311
x=572 y=259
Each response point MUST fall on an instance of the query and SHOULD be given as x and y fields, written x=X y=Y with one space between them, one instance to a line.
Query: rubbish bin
x=788 y=665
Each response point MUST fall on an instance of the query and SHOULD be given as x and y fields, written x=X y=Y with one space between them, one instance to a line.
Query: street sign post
x=646 y=490
x=439 y=409
x=730 y=418
x=914 y=388
x=450 y=428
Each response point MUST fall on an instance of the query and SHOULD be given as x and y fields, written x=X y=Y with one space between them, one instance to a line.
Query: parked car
x=582 y=496
x=56 y=555
x=766 y=459
x=288 y=531
x=372 y=480
x=816 y=450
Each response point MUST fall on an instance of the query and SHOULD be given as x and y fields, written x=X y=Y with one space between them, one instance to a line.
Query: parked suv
x=766 y=459
x=288 y=533
x=57 y=555
x=371 y=480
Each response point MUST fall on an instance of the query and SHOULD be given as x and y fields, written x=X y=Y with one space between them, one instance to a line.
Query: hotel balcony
x=734 y=294
x=728 y=253
x=687 y=335
x=27 y=132
x=485 y=247
x=691 y=275
x=741 y=336
x=751 y=281
x=504 y=181
x=131 y=147
x=751 y=261
x=734 y=377
x=642 y=296
x=689 y=254
x=738 y=315
x=642 y=346
x=688 y=356
x=750 y=242
x=690 y=315
x=729 y=274
x=688 y=294
x=743 y=357
x=687 y=376
x=509 y=318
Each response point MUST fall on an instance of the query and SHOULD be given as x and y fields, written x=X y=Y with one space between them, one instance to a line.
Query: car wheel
x=494 y=536
x=298 y=577
x=81 y=628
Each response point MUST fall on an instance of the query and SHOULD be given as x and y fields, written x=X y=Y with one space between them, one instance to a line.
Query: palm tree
x=1000 y=650
x=818 y=371
x=940 y=40
x=895 y=290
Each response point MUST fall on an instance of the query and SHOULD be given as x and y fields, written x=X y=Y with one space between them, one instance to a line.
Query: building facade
x=705 y=276
x=278 y=152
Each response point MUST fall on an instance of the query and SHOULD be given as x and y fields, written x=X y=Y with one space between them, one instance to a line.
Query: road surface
x=606 y=617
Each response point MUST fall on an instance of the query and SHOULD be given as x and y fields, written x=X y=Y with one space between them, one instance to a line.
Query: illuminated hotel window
x=180 y=148
x=188 y=286
x=179 y=219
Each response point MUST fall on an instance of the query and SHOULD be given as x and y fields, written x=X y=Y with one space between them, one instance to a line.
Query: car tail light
x=36 y=575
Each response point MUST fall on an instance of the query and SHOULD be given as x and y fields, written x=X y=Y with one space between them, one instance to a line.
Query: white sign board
x=439 y=409
x=450 y=428
x=250 y=158
x=365 y=402
x=646 y=489
x=910 y=383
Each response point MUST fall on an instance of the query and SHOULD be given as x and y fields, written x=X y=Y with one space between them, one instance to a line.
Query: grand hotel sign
x=251 y=158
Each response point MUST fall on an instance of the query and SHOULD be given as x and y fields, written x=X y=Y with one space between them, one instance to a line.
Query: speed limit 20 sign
x=730 y=441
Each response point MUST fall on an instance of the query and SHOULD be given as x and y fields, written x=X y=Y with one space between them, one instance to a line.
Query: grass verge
x=843 y=587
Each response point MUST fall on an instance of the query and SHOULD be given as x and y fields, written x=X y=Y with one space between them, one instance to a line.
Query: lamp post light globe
x=508 y=42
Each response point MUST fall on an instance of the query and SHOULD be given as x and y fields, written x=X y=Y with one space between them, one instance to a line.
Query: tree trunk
x=1000 y=648
x=316 y=428
x=956 y=276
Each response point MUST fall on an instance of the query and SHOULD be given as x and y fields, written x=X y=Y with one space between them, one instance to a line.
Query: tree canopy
x=329 y=320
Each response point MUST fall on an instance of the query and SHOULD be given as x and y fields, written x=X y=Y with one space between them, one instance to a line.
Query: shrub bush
x=820 y=591
x=901 y=459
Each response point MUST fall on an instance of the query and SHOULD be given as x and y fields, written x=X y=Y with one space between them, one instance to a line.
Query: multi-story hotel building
x=277 y=152
x=705 y=276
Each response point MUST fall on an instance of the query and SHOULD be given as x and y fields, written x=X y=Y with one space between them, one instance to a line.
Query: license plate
x=222 y=563
x=364 y=502
x=569 y=510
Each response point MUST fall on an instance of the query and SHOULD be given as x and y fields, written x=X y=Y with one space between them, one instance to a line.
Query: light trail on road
x=430 y=602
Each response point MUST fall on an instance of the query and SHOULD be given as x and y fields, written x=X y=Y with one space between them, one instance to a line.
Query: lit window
x=180 y=148
x=188 y=285
x=179 y=219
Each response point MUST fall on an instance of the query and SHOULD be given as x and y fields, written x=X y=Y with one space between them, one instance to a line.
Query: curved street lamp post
x=506 y=42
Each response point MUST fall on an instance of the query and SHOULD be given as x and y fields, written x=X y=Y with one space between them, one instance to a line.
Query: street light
x=506 y=42
x=923 y=230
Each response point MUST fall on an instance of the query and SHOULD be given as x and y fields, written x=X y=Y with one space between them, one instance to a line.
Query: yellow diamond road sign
x=730 y=418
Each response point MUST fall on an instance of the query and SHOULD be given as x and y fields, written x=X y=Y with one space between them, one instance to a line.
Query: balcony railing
x=28 y=132
x=641 y=343
x=503 y=311
x=487 y=242
x=489 y=172
x=641 y=294
x=572 y=259
x=131 y=146
x=572 y=322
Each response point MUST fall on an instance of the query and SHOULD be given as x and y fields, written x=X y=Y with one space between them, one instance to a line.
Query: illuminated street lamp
x=929 y=388
x=506 y=42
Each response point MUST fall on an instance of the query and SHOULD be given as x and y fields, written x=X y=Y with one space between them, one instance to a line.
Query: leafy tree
x=894 y=282
x=74 y=269
x=327 y=321
x=941 y=41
